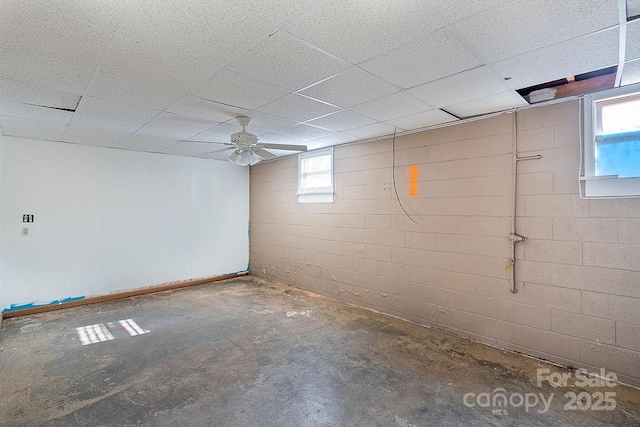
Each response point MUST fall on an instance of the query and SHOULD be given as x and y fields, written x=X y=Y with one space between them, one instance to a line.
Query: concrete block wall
x=578 y=272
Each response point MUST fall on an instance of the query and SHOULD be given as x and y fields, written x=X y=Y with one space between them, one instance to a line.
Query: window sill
x=315 y=198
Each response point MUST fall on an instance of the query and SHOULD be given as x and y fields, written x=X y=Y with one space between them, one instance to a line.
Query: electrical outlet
x=25 y=231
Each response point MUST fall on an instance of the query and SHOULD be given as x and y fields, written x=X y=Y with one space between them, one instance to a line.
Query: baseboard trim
x=120 y=295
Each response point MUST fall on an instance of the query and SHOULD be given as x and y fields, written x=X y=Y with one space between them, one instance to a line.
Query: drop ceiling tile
x=146 y=143
x=423 y=60
x=32 y=112
x=633 y=40
x=103 y=124
x=12 y=126
x=219 y=31
x=454 y=11
x=424 y=119
x=330 y=140
x=342 y=120
x=42 y=71
x=272 y=138
x=298 y=108
x=631 y=73
x=191 y=149
x=53 y=33
x=105 y=13
x=372 y=131
x=500 y=102
x=220 y=133
x=86 y=136
x=149 y=131
x=130 y=92
x=176 y=121
x=166 y=65
x=276 y=12
x=519 y=27
x=633 y=8
x=27 y=93
x=303 y=132
x=390 y=107
x=577 y=56
x=192 y=106
x=113 y=110
x=352 y=87
x=356 y=30
x=465 y=86
x=288 y=63
x=263 y=122
x=236 y=89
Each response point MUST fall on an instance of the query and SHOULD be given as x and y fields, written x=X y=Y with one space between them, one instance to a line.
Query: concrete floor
x=248 y=352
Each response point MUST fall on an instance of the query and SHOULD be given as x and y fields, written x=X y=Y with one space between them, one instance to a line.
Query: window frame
x=319 y=196
x=604 y=186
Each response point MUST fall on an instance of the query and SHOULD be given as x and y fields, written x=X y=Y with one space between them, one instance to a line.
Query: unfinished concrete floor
x=248 y=352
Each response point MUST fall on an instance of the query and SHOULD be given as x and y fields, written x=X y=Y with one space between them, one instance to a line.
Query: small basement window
x=612 y=143
x=315 y=176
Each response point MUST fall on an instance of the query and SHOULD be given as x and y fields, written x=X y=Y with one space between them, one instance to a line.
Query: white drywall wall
x=108 y=220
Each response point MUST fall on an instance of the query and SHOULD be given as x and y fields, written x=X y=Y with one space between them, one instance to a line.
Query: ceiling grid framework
x=170 y=77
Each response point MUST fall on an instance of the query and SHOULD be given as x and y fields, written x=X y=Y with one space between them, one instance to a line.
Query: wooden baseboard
x=120 y=295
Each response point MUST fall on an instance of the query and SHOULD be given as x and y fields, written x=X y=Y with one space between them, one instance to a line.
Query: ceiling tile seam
x=123 y=20
x=310 y=10
x=312 y=46
x=622 y=40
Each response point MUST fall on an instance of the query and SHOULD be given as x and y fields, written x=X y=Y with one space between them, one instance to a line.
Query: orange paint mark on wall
x=413 y=180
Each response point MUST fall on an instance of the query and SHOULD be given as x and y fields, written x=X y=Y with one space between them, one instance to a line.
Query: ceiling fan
x=246 y=150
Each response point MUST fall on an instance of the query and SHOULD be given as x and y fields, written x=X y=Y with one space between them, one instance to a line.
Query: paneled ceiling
x=159 y=75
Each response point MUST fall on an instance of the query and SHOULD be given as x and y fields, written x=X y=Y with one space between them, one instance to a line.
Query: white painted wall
x=108 y=220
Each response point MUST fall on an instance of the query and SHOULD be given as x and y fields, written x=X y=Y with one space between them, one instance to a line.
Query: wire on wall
x=393 y=163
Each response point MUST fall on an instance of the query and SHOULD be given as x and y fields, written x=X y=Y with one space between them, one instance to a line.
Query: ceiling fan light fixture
x=243 y=157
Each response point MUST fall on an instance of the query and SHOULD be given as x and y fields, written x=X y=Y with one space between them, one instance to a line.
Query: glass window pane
x=623 y=116
x=618 y=158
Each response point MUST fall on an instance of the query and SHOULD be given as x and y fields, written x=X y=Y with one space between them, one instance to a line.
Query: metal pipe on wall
x=514 y=237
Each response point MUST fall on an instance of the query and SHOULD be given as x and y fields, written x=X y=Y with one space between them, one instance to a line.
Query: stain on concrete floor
x=234 y=353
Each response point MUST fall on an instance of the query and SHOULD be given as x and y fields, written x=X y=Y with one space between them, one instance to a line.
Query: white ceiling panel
x=130 y=92
x=87 y=136
x=192 y=149
x=356 y=30
x=518 y=27
x=342 y=120
x=305 y=132
x=490 y=104
x=53 y=33
x=466 y=86
x=32 y=112
x=298 y=108
x=391 y=107
x=633 y=40
x=113 y=110
x=105 y=13
x=236 y=89
x=576 y=56
x=220 y=133
x=276 y=12
x=371 y=131
x=12 y=126
x=329 y=140
x=204 y=109
x=352 y=87
x=423 y=60
x=633 y=8
x=288 y=63
x=145 y=143
x=43 y=71
x=103 y=124
x=177 y=121
x=263 y=122
x=163 y=65
x=219 y=31
x=454 y=11
x=272 y=138
x=424 y=119
x=13 y=90
x=631 y=73
x=150 y=131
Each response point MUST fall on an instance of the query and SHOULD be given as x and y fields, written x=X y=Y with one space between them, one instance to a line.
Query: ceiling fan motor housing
x=244 y=139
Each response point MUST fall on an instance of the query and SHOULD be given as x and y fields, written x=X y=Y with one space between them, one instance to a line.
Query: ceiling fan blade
x=220 y=151
x=207 y=142
x=284 y=147
x=264 y=153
